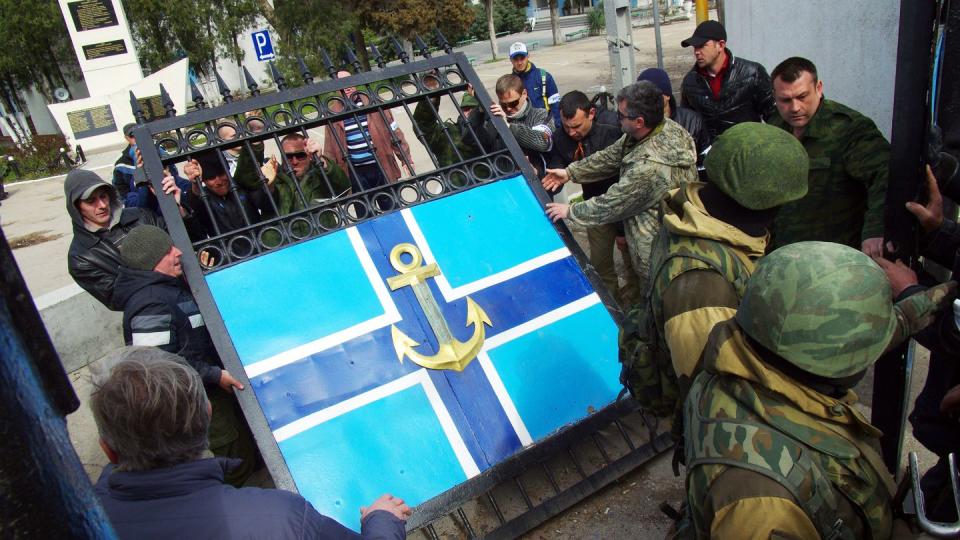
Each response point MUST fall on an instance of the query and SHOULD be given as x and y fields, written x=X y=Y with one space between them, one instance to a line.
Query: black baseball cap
x=705 y=31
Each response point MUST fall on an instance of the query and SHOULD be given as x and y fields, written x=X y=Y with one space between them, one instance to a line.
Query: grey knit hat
x=144 y=246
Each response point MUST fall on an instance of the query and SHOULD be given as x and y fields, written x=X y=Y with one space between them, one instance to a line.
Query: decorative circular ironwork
x=197 y=138
x=363 y=96
x=168 y=146
x=255 y=124
x=309 y=111
x=433 y=186
x=214 y=256
x=409 y=88
x=335 y=104
x=240 y=247
x=482 y=171
x=356 y=210
x=458 y=178
x=221 y=125
x=409 y=194
x=270 y=237
x=384 y=201
x=329 y=219
x=282 y=117
x=430 y=80
x=386 y=92
x=504 y=165
x=452 y=76
x=300 y=227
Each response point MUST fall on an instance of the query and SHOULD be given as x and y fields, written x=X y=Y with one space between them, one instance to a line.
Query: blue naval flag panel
x=412 y=352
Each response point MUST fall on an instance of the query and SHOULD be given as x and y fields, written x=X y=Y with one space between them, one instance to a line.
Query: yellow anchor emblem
x=453 y=354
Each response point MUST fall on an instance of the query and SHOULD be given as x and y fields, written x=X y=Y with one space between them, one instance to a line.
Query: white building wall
x=853 y=44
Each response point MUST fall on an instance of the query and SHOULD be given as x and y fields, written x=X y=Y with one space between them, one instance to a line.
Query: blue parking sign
x=263 y=45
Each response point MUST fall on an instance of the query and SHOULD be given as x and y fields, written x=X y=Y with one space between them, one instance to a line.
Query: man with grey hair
x=654 y=155
x=153 y=416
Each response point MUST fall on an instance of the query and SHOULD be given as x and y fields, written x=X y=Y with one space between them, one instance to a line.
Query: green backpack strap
x=712 y=441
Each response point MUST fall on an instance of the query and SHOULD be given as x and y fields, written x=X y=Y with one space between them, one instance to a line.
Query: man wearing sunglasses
x=532 y=127
x=654 y=156
x=316 y=186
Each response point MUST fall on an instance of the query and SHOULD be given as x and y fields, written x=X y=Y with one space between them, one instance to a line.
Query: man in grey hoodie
x=100 y=223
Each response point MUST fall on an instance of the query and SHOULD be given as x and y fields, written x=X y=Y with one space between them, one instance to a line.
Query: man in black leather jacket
x=689 y=119
x=100 y=223
x=723 y=89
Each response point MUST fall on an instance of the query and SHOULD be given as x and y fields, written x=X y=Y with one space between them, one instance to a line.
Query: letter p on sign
x=262 y=45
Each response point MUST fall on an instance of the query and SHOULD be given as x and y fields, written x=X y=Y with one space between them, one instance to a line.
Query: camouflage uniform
x=848 y=180
x=312 y=185
x=647 y=169
x=435 y=133
x=767 y=453
x=700 y=264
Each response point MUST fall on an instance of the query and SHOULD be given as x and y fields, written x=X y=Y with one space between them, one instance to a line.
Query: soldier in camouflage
x=711 y=238
x=774 y=445
x=848 y=165
x=654 y=156
x=449 y=141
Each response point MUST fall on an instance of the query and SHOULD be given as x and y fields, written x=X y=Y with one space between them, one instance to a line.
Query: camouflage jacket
x=647 y=169
x=444 y=139
x=313 y=186
x=767 y=456
x=848 y=180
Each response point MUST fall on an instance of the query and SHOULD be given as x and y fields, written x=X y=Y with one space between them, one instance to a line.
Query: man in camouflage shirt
x=848 y=165
x=654 y=155
x=712 y=236
x=774 y=446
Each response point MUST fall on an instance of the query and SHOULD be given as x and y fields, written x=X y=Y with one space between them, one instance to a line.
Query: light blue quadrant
x=486 y=230
x=394 y=445
x=563 y=372
x=293 y=296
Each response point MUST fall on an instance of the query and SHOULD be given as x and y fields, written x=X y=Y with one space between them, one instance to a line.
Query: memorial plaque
x=152 y=108
x=93 y=121
x=92 y=14
x=105 y=49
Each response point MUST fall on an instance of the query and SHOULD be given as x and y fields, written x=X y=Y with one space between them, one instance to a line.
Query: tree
x=37 y=50
x=493 y=31
x=231 y=18
x=168 y=30
x=555 y=22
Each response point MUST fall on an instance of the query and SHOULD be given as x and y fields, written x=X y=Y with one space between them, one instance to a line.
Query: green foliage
x=596 y=21
x=36 y=46
x=168 y=30
x=508 y=16
x=42 y=158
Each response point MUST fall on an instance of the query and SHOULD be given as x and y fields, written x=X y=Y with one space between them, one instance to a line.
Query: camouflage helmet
x=825 y=308
x=469 y=101
x=758 y=165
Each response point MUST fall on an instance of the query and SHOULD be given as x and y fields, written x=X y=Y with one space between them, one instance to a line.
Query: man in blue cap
x=541 y=88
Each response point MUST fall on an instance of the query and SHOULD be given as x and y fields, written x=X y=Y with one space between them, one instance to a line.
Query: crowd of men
x=750 y=220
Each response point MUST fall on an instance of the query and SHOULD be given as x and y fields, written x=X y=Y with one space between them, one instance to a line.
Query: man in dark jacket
x=723 y=89
x=100 y=222
x=688 y=119
x=580 y=137
x=227 y=211
x=159 y=311
x=160 y=484
x=123 y=169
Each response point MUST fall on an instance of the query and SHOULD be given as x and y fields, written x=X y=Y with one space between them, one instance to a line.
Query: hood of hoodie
x=131 y=281
x=684 y=214
x=77 y=182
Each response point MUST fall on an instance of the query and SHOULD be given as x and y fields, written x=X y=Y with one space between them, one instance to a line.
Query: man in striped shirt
x=367 y=145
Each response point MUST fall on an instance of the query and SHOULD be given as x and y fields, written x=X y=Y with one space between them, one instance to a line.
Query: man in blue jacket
x=153 y=416
x=541 y=88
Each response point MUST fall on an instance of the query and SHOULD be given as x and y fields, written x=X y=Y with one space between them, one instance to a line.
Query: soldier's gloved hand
x=916 y=312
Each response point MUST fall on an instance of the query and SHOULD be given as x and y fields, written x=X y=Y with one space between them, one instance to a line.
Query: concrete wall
x=81 y=328
x=853 y=44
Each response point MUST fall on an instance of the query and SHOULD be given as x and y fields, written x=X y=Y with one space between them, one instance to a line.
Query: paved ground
x=34 y=214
